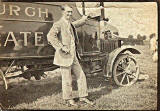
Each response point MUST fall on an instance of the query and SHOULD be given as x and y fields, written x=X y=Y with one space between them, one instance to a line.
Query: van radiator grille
x=109 y=45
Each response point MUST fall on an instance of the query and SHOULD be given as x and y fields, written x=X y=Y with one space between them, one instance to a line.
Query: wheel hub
x=128 y=72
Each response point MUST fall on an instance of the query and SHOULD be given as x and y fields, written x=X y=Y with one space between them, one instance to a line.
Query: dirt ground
x=47 y=93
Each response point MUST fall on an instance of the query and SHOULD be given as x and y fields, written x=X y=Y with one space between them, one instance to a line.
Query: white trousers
x=67 y=80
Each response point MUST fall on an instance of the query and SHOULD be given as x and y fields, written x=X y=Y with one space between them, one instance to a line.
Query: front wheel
x=125 y=70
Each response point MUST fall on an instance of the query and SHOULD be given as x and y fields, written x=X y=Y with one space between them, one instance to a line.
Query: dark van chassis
x=110 y=57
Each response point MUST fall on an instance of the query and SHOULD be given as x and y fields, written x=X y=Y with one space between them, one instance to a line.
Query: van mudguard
x=114 y=54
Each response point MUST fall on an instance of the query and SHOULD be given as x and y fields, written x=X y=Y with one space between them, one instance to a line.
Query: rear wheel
x=3 y=82
x=125 y=70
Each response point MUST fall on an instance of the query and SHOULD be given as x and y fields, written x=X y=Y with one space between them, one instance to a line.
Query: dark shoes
x=86 y=101
x=71 y=102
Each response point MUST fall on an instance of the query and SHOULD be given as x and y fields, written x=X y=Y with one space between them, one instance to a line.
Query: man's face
x=67 y=13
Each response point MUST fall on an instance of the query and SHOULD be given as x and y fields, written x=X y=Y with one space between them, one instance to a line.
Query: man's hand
x=85 y=17
x=65 y=49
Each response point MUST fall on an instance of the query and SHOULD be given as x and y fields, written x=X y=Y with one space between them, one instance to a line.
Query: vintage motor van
x=24 y=46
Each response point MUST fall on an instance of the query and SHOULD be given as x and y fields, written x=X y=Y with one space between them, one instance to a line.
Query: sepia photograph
x=78 y=55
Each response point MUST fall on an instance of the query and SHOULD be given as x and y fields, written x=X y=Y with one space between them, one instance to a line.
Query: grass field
x=47 y=93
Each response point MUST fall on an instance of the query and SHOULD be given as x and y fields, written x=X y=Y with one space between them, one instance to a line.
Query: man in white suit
x=63 y=37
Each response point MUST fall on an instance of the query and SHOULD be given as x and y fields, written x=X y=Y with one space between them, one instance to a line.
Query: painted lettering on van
x=28 y=11
x=12 y=38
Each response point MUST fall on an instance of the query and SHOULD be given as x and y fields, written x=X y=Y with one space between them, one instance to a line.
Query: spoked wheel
x=125 y=70
x=3 y=82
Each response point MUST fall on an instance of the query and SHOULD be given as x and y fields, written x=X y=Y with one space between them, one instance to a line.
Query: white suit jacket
x=59 y=36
